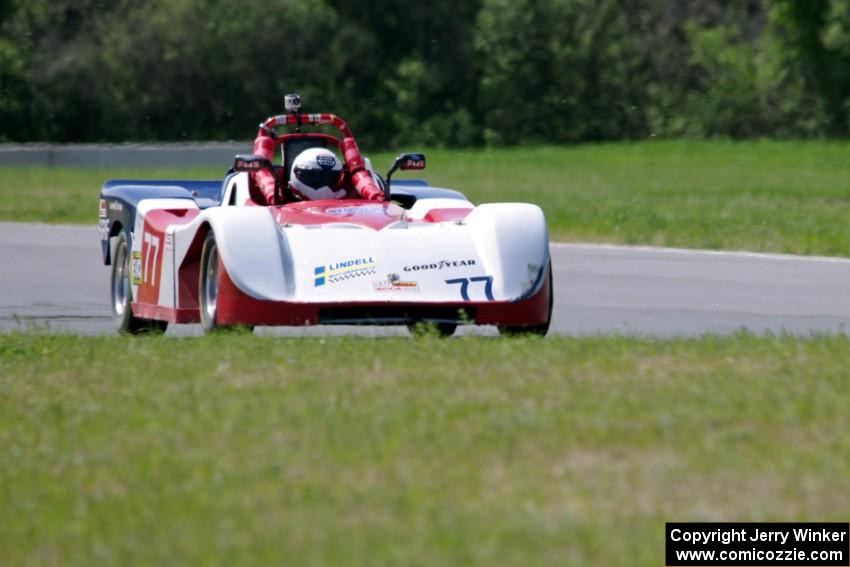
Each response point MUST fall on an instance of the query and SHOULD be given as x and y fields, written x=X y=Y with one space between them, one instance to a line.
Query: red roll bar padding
x=264 y=147
x=311 y=119
x=362 y=179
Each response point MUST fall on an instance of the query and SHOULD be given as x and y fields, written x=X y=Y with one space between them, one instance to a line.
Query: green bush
x=439 y=73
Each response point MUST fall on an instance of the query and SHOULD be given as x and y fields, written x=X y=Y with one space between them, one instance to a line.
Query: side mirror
x=251 y=162
x=404 y=162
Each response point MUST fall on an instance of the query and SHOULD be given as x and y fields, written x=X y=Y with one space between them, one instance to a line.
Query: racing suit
x=264 y=181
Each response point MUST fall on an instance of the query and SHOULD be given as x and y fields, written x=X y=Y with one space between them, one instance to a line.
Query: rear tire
x=208 y=290
x=532 y=330
x=122 y=296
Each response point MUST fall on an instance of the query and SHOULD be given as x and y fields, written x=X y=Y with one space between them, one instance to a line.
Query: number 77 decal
x=464 y=286
x=150 y=256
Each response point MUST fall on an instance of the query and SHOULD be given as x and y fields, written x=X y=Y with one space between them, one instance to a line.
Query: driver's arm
x=366 y=187
x=263 y=179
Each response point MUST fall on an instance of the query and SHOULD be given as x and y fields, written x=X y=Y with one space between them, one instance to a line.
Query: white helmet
x=315 y=173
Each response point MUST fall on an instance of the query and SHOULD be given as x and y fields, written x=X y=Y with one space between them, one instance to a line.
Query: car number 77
x=150 y=256
x=464 y=286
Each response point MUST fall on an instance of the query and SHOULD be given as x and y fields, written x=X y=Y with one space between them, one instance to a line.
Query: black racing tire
x=122 y=296
x=208 y=281
x=533 y=330
x=208 y=285
x=424 y=328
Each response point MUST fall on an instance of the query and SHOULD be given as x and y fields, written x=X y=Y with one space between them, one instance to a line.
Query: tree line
x=453 y=73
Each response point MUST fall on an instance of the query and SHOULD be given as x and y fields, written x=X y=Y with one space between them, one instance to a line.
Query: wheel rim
x=120 y=281
x=211 y=284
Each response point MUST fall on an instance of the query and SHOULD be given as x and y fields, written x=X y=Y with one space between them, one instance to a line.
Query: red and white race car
x=206 y=251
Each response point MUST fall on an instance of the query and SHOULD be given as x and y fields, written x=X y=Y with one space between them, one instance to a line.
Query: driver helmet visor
x=317 y=178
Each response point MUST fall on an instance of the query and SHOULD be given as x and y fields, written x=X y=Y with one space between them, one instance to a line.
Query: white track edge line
x=699 y=252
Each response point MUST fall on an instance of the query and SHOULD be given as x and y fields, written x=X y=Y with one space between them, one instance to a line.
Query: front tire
x=208 y=283
x=122 y=296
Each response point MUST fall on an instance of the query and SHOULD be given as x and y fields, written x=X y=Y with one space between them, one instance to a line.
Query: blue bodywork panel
x=122 y=196
x=131 y=191
x=408 y=191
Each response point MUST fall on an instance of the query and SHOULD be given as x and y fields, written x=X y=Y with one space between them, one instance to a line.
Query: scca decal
x=440 y=265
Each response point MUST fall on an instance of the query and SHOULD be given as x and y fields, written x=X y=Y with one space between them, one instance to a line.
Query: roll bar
x=361 y=178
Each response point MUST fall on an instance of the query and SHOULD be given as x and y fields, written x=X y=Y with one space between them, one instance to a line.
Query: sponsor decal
x=414 y=164
x=326 y=161
x=440 y=265
x=103 y=229
x=136 y=267
x=356 y=210
x=169 y=241
x=115 y=206
x=395 y=283
x=150 y=248
x=102 y=211
x=340 y=271
x=248 y=164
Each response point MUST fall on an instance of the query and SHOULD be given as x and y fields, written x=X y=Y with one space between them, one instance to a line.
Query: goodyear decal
x=340 y=271
x=440 y=265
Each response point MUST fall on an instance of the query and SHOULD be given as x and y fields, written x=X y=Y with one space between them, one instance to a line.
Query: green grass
x=342 y=451
x=70 y=194
x=764 y=196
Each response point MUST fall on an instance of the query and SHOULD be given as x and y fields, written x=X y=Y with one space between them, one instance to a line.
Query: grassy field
x=240 y=450
x=764 y=196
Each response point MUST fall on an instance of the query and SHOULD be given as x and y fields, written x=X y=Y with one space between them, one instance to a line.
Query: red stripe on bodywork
x=153 y=248
x=446 y=215
x=234 y=307
x=369 y=214
x=148 y=311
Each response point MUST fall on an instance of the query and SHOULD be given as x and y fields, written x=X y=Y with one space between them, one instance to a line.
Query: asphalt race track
x=53 y=279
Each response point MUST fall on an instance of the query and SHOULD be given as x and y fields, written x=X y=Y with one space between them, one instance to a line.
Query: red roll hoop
x=363 y=182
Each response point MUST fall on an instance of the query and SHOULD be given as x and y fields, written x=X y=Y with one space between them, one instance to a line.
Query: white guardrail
x=192 y=154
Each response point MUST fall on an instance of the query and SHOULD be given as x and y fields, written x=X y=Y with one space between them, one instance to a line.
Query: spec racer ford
x=218 y=253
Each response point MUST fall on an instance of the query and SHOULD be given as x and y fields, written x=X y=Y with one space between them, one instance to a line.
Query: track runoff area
x=56 y=281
